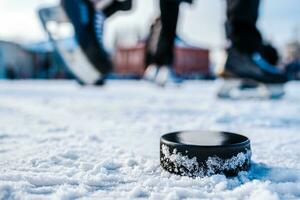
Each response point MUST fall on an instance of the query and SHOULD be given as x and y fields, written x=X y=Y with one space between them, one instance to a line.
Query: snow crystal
x=182 y=164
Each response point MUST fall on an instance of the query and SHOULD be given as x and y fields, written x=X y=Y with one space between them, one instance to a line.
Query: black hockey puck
x=204 y=153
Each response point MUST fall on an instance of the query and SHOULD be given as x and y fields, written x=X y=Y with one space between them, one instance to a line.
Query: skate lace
x=98 y=25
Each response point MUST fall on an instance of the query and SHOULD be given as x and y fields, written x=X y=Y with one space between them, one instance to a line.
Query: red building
x=190 y=62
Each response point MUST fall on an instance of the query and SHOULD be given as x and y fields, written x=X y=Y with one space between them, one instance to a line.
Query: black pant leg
x=117 y=6
x=241 y=27
x=169 y=17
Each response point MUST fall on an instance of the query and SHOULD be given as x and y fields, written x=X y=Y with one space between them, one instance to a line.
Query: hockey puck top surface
x=205 y=138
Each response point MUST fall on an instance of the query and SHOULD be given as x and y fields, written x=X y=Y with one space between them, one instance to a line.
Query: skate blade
x=234 y=89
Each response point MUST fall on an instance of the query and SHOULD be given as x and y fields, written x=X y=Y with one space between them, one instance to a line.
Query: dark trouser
x=169 y=16
x=240 y=26
x=117 y=6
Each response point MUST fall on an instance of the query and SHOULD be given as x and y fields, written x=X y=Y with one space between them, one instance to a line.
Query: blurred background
x=25 y=51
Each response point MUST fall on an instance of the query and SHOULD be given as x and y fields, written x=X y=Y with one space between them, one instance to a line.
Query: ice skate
x=166 y=75
x=150 y=73
x=70 y=21
x=250 y=76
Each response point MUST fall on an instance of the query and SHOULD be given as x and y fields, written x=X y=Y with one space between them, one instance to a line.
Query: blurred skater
x=248 y=57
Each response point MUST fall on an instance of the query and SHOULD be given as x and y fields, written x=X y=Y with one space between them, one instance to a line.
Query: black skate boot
x=250 y=76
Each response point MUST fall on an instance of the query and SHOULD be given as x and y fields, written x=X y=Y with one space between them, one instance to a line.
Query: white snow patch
x=59 y=140
x=138 y=192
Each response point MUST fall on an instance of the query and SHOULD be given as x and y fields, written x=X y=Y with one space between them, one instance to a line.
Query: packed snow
x=59 y=140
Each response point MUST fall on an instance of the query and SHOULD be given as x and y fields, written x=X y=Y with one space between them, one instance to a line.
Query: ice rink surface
x=59 y=140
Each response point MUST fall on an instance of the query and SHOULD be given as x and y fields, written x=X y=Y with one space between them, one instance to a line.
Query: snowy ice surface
x=59 y=140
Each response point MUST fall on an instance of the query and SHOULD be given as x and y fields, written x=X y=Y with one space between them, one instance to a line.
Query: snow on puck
x=204 y=153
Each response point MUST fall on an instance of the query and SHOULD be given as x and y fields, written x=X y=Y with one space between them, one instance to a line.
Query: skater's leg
x=241 y=27
x=169 y=17
x=242 y=31
x=160 y=44
x=249 y=59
